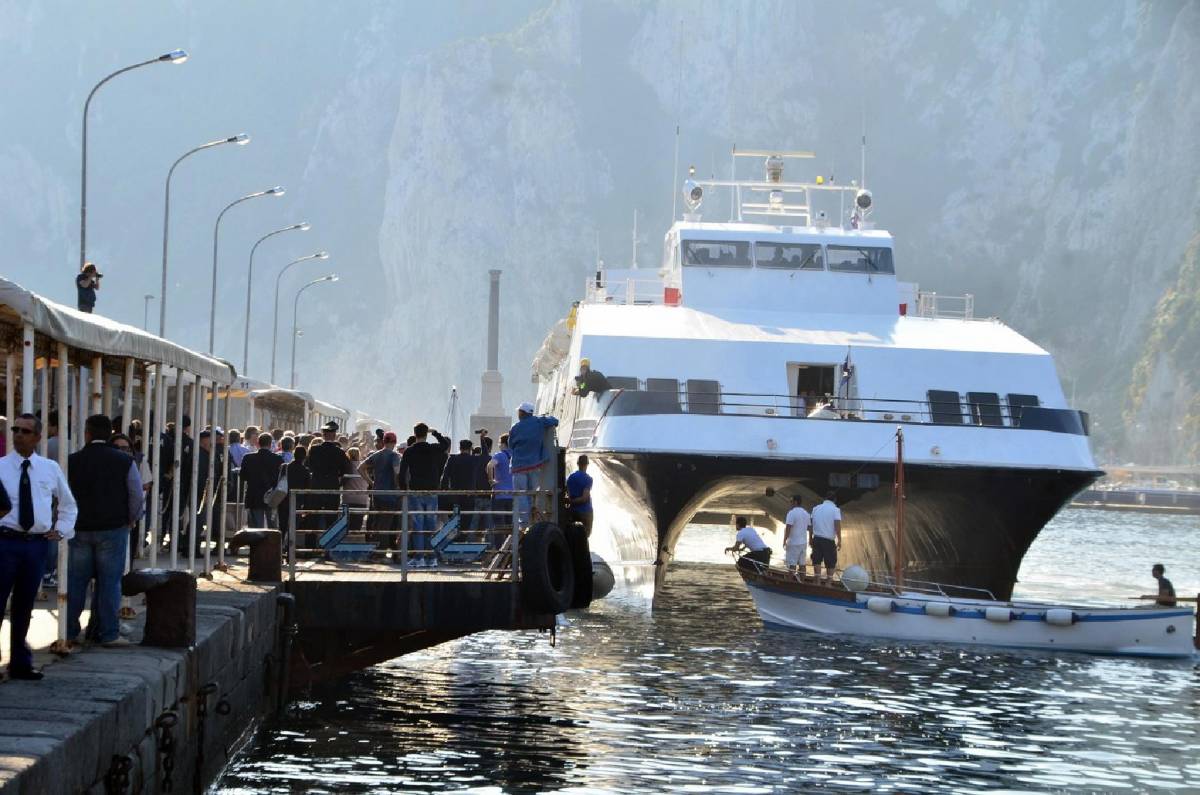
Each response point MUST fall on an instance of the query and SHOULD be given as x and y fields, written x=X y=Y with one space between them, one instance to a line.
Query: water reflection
x=696 y=694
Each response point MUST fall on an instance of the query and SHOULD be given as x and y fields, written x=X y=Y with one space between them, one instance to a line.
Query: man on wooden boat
x=827 y=537
x=748 y=538
x=796 y=535
x=1166 y=591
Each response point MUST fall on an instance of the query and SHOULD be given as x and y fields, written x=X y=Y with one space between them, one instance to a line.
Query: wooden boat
x=889 y=606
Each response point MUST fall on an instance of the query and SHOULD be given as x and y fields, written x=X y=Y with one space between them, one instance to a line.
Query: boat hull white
x=1142 y=631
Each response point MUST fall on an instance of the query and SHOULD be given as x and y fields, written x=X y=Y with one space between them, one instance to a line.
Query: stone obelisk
x=491 y=414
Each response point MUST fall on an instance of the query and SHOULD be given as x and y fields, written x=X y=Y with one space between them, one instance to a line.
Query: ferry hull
x=1142 y=632
x=967 y=526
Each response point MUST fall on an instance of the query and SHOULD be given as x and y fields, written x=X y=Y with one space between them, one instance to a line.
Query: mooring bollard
x=170 y=605
x=266 y=561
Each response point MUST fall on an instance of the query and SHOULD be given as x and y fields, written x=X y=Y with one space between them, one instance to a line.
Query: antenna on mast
x=635 y=239
x=678 y=113
x=862 y=183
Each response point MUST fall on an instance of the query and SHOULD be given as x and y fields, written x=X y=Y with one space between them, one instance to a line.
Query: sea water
x=695 y=694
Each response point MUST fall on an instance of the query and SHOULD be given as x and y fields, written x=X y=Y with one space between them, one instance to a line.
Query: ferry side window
x=790 y=256
x=985 y=408
x=855 y=259
x=1016 y=402
x=704 y=396
x=716 y=253
x=662 y=396
x=622 y=382
x=945 y=408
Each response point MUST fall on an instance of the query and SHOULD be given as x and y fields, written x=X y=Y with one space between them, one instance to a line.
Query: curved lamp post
x=302 y=227
x=295 y=317
x=275 y=317
x=212 y=309
x=174 y=56
x=240 y=140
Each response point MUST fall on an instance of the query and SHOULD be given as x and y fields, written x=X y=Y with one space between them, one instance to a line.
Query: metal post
x=516 y=535
x=224 y=487
x=291 y=536
x=26 y=369
x=64 y=407
x=198 y=406
x=81 y=397
x=147 y=436
x=176 y=469
x=95 y=386
x=127 y=396
x=404 y=538
x=153 y=444
x=44 y=445
x=10 y=383
x=210 y=493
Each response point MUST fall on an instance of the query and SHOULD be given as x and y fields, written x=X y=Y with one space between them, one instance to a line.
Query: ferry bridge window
x=716 y=253
x=794 y=256
x=852 y=259
x=985 y=408
x=944 y=407
x=662 y=394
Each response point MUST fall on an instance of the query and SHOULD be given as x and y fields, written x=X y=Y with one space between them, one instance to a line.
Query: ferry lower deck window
x=853 y=259
x=1016 y=402
x=622 y=382
x=945 y=407
x=716 y=253
x=663 y=394
x=791 y=256
x=985 y=408
x=704 y=397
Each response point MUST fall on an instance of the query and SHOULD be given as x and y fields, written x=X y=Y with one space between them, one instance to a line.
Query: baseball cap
x=526 y=407
x=331 y=426
x=389 y=437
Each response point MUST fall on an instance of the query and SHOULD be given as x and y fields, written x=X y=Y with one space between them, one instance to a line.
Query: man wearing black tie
x=32 y=483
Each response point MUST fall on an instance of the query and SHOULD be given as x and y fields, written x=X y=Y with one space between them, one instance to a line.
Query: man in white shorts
x=795 y=536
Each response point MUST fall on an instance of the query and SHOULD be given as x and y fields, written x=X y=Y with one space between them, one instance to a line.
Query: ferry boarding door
x=811 y=384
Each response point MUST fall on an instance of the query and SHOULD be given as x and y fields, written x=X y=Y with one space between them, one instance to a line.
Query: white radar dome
x=855 y=578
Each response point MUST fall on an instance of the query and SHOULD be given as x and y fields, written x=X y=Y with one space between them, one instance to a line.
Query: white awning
x=279 y=399
x=101 y=335
x=331 y=410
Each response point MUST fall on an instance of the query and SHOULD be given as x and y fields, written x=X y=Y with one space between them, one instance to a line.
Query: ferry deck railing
x=880 y=582
x=685 y=400
x=935 y=305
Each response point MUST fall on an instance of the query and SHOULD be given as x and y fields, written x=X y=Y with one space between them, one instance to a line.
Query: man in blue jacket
x=525 y=442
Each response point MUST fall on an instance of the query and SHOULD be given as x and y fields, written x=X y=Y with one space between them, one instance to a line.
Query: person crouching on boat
x=796 y=536
x=748 y=538
x=1166 y=591
x=827 y=537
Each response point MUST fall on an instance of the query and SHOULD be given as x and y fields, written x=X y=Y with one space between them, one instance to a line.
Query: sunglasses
x=19 y=429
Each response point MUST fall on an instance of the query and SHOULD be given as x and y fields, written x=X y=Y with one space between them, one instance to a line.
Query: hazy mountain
x=1040 y=155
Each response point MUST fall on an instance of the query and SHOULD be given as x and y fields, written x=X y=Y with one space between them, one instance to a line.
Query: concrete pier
x=73 y=731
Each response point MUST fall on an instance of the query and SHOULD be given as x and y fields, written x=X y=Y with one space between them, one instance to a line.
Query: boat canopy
x=101 y=334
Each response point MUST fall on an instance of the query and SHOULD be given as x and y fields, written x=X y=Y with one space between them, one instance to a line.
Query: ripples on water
x=697 y=695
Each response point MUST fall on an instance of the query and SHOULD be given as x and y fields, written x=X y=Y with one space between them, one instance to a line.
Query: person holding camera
x=86 y=285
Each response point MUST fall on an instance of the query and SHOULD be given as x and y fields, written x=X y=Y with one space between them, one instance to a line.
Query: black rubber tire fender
x=547 y=570
x=581 y=562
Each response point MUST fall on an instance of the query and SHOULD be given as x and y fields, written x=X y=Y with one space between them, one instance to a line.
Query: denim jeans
x=260 y=517
x=96 y=555
x=422 y=521
x=483 y=521
x=21 y=564
x=526 y=481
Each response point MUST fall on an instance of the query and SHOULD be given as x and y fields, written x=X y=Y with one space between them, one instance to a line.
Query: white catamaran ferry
x=776 y=356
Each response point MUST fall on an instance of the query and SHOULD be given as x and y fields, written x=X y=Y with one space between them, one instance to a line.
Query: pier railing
x=463 y=533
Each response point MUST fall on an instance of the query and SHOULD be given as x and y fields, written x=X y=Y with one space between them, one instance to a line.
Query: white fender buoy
x=1000 y=615
x=939 y=609
x=879 y=604
x=1060 y=617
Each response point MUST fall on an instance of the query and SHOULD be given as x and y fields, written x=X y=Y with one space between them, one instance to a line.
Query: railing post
x=516 y=537
x=404 y=538
x=291 y=536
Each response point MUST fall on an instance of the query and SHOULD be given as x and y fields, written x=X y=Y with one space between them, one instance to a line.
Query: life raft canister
x=547 y=569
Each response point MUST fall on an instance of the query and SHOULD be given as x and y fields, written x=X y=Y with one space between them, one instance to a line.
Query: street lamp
x=146 y=299
x=302 y=227
x=295 y=317
x=212 y=310
x=241 y=140
x=275 y=317
x=174 y=56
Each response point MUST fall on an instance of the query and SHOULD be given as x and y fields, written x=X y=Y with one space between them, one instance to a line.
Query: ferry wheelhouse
x=776 y=356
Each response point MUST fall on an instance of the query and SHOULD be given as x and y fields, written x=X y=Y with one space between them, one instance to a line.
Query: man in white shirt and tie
x=31 y=484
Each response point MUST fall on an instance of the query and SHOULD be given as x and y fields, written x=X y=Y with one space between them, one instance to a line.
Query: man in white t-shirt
x=748 y=539
x=826 y=536
x=795 y=536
